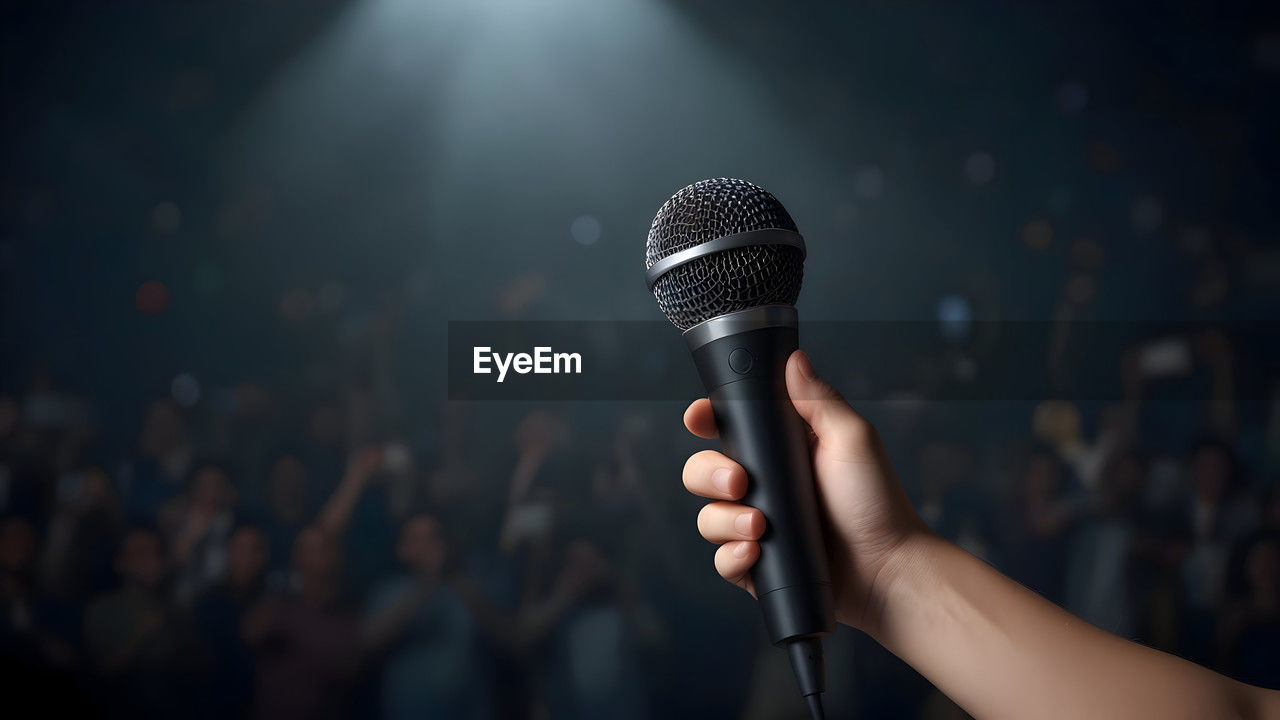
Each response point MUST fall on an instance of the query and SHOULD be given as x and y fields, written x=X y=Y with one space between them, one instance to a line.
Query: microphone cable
x=815 y=706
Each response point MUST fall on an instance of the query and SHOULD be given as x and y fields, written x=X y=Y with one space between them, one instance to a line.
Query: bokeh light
x=1037 y=235
x=1086 y=253
x=166 y=218
x=297 y=305
x=331 y=297
x=1146 y=214
x=151 y=298
x=868 y=182
x=1072 y=97
x=980 y=168
x=1105 y=158
x=955 y=317
x=185 y=389
x=585 y=230
x=1080 y=289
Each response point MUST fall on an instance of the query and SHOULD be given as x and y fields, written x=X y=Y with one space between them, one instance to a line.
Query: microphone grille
x=727 y=281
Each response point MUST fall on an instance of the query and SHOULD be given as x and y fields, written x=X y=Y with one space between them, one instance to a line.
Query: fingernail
x=743 y=524
x=806 y=367
x=741 y=549
x=720 y=478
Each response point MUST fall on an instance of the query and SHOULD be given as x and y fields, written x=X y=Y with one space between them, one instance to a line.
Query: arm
x=996 y=648
x=186 y=527
x=336 y=513
x=56 y=568
x=535 y=437
x=1001 y=651
x=537 y=616
x=387 y=622
x=522 y=476
x=496 y=626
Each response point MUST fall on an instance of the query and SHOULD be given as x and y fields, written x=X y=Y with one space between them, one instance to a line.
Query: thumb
x=822 y=407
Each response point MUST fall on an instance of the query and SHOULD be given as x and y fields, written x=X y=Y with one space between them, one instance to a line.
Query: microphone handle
x=744 y=374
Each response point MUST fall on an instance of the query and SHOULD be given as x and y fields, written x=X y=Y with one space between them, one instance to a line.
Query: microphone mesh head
x=727 y=281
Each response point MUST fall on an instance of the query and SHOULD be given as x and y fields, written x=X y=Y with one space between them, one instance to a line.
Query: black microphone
x=725 y=261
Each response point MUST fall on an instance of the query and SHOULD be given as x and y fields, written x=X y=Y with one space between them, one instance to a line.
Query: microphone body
x=742 y=359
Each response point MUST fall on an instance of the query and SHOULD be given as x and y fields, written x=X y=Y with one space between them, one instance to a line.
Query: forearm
x=496 y=627
x=536 y=620
x=1001 y=651
x=381 y=629
x=336 y=512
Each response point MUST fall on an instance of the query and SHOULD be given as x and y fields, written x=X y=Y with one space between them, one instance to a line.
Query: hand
x=364 y=462
x=256 y=623
x=96 y=493
x=196 y=524
x=537 y=434
x=584 y=567
x=1214 y=346
x=867 y=519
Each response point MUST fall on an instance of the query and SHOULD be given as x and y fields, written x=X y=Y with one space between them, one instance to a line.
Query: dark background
x=232 y=235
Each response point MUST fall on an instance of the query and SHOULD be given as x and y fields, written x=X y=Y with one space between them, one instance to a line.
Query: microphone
x=725 y=262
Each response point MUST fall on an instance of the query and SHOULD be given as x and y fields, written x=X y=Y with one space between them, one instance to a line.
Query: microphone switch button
x=741 y=360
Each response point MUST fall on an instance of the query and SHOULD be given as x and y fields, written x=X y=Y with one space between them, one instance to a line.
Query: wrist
x=899 y=573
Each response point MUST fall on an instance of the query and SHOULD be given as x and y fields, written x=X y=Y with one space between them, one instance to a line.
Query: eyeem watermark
x=901 y=362
x=543 y=361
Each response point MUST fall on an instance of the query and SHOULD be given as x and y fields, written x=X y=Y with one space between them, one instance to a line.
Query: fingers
x=734 y=561
x=710 y=474
x=828 y=414
x=733 y=526
x=722 y=522
x=816 y=401
x=700 y=420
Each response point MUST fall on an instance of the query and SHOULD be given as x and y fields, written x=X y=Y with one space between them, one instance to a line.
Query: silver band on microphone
x=740 y=321
x=769 y=236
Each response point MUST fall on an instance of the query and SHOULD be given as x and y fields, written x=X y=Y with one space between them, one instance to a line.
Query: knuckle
x=827 y=394
x=858 y=431
x=694 y=468
x=729 y=566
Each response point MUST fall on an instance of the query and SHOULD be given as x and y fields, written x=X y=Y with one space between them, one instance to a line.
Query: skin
x=248 y=551
x=422 y=551
x=996 y=648
x=140 y=565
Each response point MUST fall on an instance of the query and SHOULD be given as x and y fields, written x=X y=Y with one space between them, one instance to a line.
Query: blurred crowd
x=283 y=559
x=274 y=571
